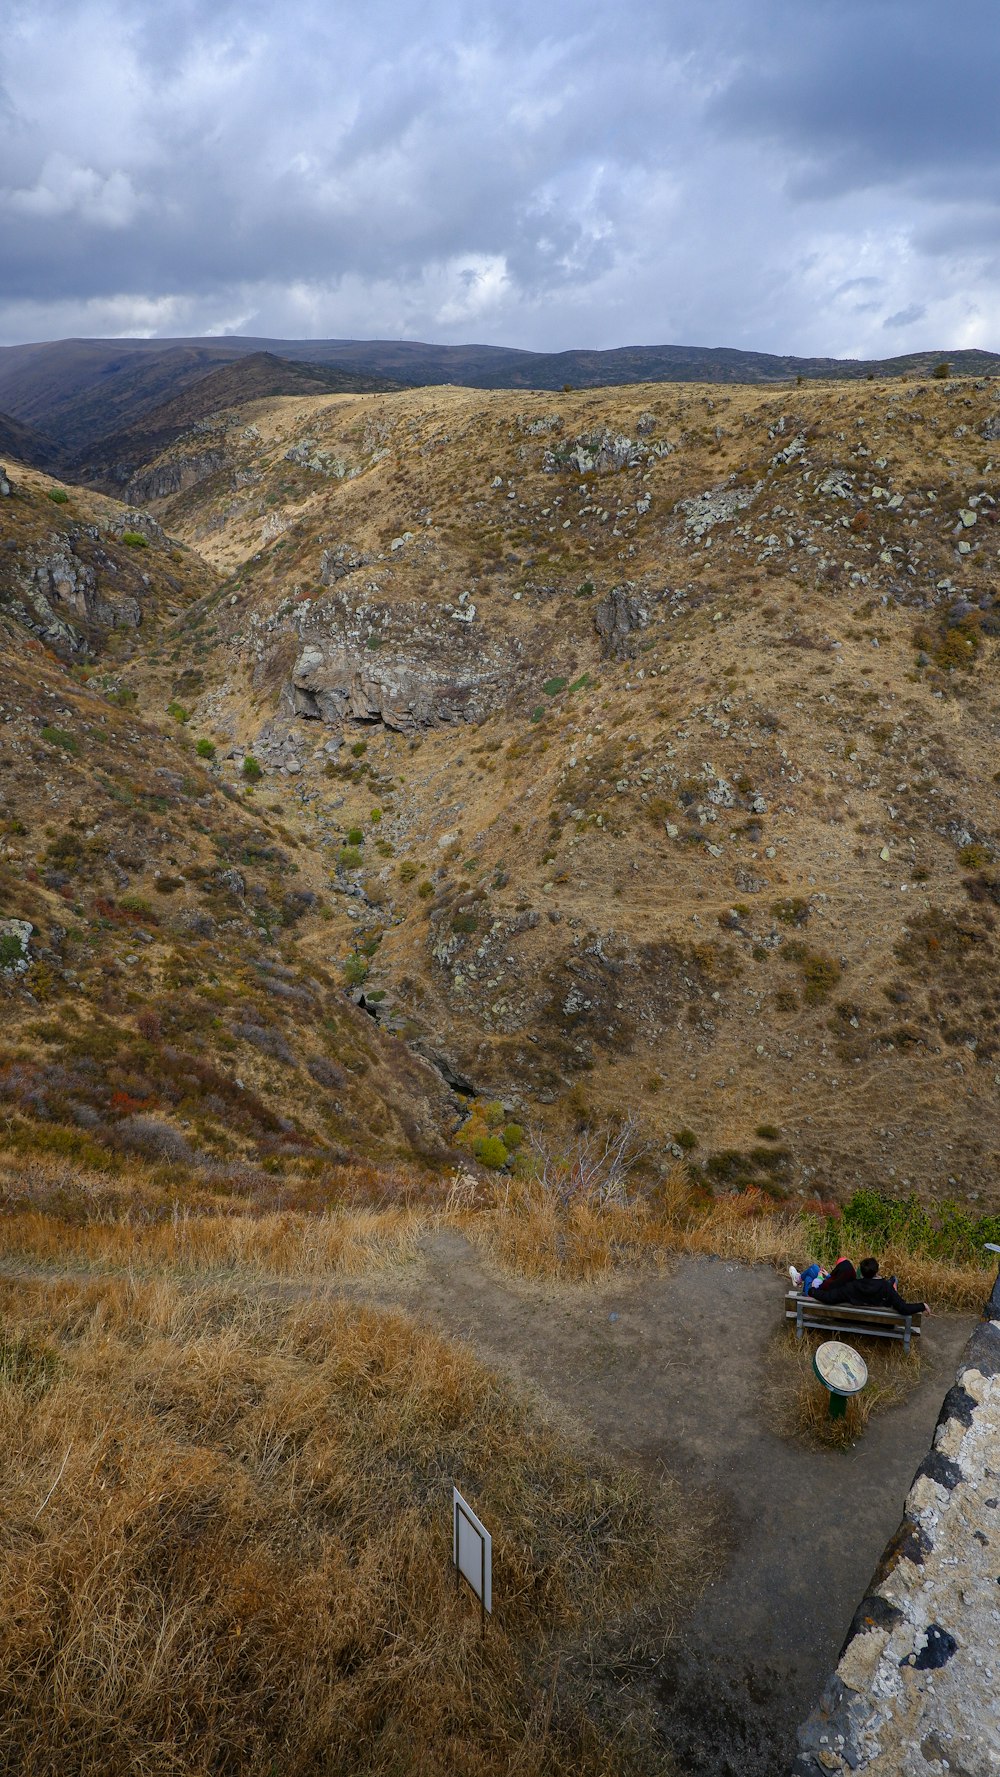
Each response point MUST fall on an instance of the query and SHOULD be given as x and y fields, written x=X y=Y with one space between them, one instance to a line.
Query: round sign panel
x=840 y=1368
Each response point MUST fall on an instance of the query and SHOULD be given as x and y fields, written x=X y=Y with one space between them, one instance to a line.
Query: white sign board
x=472 y=1550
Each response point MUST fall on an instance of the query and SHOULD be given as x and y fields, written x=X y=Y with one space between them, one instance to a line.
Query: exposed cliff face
x=77 y=567
x=74 y=590
x=333 y=683
x=173 y=477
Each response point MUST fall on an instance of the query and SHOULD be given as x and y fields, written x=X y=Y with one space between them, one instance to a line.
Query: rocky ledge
x=917 y=1690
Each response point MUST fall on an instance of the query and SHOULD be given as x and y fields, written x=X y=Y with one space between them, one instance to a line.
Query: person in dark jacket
x=864 y=1288
x=869 y=1290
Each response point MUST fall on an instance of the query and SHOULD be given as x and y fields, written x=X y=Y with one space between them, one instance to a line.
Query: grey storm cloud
x=794 y=177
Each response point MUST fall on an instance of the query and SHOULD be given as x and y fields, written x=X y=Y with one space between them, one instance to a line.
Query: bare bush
x=154 y=1138
x=600 y=1167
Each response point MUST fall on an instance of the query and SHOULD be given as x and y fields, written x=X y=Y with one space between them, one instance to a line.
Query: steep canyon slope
x=638 y=744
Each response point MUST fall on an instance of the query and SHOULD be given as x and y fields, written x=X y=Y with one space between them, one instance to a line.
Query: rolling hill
x=115 y=462
x=78 y=391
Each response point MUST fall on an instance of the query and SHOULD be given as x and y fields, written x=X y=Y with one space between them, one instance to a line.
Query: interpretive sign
x=472 y=1552
x=842 y=1370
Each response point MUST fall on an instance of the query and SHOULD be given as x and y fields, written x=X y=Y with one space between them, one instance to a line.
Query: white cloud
x=63 y=189
x=537 y=173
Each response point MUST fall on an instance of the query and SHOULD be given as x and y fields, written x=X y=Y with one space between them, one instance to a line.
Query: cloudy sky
x=814 y=176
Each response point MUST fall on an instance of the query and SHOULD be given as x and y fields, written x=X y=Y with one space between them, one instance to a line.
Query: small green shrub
x=408 y=870
x=942 y=372
x=686 y=1139
x=135 y=539
x=359 y=749
x=355 y=970
x=490 y=1151
x=59 y=737
x=973 y=856
x=585 y=590
x=792 y=910
x=464 y=922
x=11 y=950
x=355 y=836
x=552 y=687
x=425 y=890
x=205 y=748
x=768 y=1132
x=375 y=816
x=350 y=858
x=252 y=770
x=179 y=713
x=58 y=496
x=821 y=972
x=513 y=1136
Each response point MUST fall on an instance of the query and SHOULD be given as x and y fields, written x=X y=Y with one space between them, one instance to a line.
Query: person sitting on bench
x=864 y=1288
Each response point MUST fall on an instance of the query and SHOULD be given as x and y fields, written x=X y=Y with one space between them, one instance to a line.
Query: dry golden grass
x=531 y=1233
x=58 y=1215
x=800 y=1405
x=345 y=1242
x=226 y=1549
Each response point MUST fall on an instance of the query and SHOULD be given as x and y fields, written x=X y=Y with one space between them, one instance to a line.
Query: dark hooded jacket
x=878 y=1292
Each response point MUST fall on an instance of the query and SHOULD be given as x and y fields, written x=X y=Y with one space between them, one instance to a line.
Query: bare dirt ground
x=667 y=1373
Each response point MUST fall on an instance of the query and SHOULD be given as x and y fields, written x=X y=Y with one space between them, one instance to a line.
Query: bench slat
x=846 y=1317
x=847 y=1310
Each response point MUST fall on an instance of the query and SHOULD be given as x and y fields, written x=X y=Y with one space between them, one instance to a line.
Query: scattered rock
x=717 y=505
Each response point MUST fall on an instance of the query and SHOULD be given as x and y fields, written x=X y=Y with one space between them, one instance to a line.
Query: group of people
x=863 y=1288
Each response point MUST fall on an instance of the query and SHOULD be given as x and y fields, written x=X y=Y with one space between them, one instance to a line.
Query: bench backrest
x=848 y=1311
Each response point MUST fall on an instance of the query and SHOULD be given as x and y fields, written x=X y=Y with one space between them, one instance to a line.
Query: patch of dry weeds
x=226 y=1546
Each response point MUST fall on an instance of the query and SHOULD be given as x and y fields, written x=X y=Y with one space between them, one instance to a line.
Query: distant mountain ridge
x=112 y=460
x=80 y=391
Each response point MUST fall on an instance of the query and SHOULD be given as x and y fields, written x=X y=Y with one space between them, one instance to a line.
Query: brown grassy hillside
x=677 y=708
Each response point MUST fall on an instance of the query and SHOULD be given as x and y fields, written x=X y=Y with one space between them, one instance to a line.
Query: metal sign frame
x=479 y=1583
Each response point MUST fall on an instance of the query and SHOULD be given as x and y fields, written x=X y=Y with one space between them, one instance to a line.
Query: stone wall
x=917 y=1690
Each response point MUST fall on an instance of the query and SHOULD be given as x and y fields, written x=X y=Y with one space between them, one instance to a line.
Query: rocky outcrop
x=15 y=957
x=331 y=683
x=336 y=564
x=73 y=591
x=915 y=1690
x=618 y=619
x=174 y=476
x=717 y=505
x=599 y=452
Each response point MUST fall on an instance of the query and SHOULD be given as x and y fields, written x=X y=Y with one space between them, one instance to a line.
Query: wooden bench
x=843 y=1317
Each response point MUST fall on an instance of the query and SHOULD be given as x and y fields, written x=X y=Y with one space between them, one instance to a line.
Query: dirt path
x=665 y=1373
